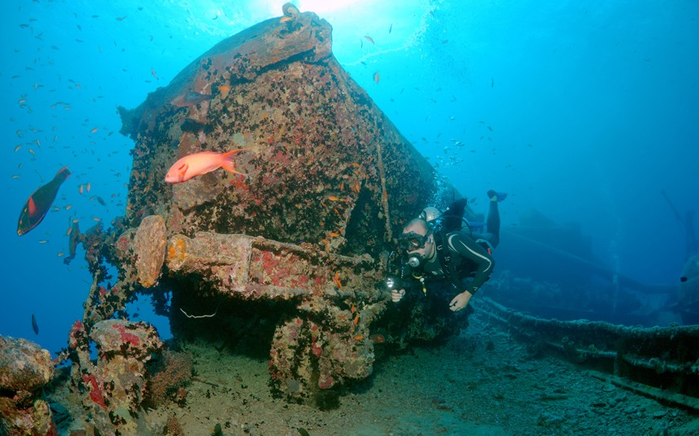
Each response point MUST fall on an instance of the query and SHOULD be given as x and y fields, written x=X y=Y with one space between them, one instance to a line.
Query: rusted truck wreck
x=289 y=255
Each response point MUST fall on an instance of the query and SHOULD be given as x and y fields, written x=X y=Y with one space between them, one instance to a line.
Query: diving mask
x=412 y=241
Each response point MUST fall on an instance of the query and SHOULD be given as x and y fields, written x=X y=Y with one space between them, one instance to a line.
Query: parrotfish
x=39 y=203
x=201 y=163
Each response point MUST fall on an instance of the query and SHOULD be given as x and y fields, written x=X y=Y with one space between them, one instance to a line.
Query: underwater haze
x=586 y=112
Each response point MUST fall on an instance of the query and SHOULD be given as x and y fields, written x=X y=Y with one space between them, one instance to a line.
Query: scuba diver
x=438 y=248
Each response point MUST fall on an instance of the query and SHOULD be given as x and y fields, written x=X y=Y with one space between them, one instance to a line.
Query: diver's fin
x=496 y=196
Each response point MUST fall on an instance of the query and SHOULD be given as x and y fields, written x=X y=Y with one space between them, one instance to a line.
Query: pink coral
x=77 y=333
x=96 y=393
x=126 y=336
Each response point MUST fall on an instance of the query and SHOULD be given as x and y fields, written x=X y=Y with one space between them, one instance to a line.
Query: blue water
x=582 y=110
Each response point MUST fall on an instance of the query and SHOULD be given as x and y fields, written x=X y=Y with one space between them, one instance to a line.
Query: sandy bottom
x=480 y=383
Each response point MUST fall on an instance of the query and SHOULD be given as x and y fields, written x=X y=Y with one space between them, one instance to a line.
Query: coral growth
x=24 y=369
x=175 y=372
x=173 y=427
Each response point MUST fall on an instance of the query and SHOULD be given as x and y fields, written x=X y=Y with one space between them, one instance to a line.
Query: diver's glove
x=397 y=295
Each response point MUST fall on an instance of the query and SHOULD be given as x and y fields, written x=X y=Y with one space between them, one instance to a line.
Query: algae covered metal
x=288 y=257
x=324 y=165
x=327 y=181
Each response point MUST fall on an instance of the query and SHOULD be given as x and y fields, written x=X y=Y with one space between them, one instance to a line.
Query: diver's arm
x=407 y=284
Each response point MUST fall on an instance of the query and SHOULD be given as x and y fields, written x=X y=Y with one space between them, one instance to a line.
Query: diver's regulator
x=414 y=261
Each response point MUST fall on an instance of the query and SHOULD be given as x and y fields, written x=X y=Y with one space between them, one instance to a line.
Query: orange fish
x=39 y=203
x=336 y=279
x=377 y=77
x=377 y=338
x=152 y=71
x=201 y=163
x=224 y=90
x=370 y=39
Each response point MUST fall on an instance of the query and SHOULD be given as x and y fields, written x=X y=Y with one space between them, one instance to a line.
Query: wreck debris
x=115 y=387
x=289 y=253
x=24 y=366
x=664 y=357
x=249 y=267
x=24 y=369
x=322 y=346
x=659 y=395
x=149 y=248
x=291 y=103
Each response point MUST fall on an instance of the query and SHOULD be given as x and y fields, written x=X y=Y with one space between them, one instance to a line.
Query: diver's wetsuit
x=467 y=258
x=492 y=235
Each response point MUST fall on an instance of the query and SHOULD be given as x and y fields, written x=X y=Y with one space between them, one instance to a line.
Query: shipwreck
x=288 y=259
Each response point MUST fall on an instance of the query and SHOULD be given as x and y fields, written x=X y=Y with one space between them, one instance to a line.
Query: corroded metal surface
x=328 y=340
x=290 y=253
x=325 y=166
x=254 y=267
x=24 y=369
x=113 y=388
x=665 y=357
x=328 y=181
x=149 y=248
x=24 y=365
